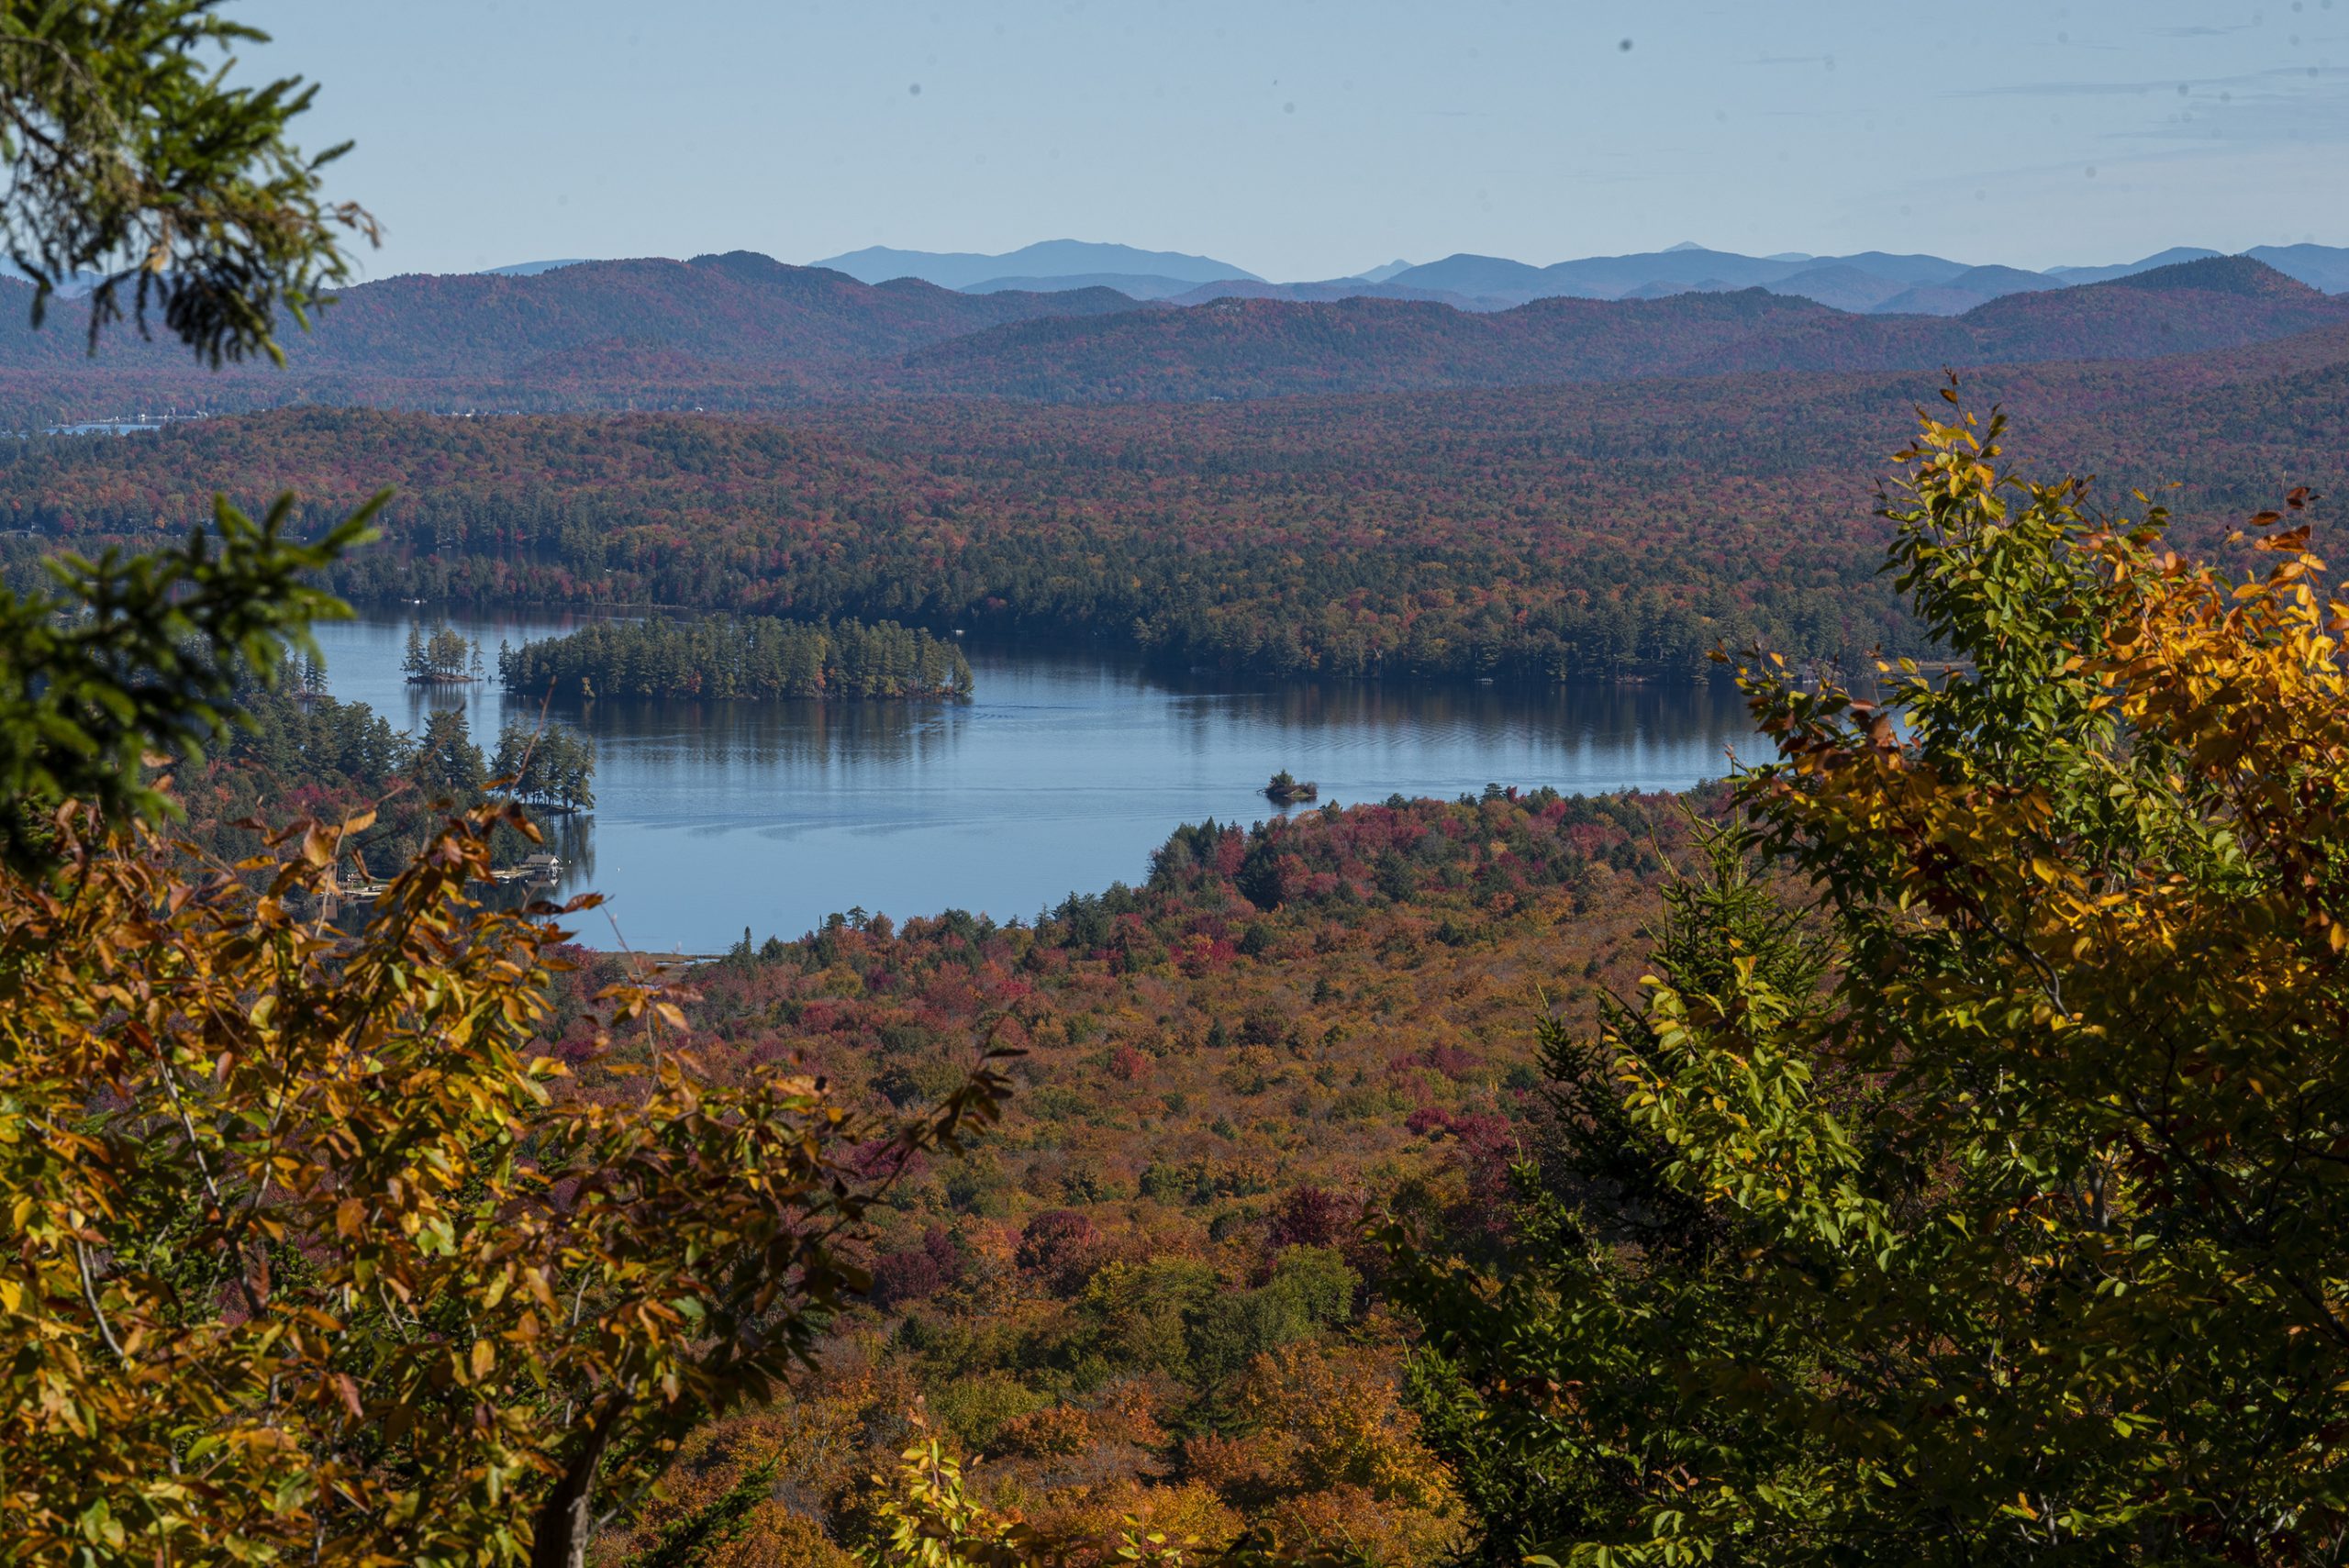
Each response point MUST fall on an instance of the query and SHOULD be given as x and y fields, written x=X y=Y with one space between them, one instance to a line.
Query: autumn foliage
x=312 y=1250
x=2021 y=1240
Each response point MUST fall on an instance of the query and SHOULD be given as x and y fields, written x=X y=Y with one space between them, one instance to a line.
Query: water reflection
x=1061 y=774
x=572 y=839
x=759 y=735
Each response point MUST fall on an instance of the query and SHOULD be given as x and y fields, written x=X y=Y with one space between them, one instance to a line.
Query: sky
x=1315 y=138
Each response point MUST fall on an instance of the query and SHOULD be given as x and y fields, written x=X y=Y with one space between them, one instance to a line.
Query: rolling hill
x=738 y=308
x=1866 y=281
x=1134 y=286
x=739 y=327
x=1324 y=293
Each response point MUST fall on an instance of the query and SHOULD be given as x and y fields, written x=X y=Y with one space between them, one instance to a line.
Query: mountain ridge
x=1245 y=349
x=744 y=331
x=1861 y=282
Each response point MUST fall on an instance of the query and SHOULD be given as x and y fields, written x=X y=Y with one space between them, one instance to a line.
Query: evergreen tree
x=1604 y=1230
x=551 y=766
x=447 y=765
x=573 y=784
x=2022 y=1242
x=445 y=655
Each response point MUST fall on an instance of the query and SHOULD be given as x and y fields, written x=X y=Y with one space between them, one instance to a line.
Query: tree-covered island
x=445 y=657
x=753 y=657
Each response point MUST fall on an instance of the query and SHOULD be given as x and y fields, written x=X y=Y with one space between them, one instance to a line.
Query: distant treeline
x=1550 y=533
x=753 y=657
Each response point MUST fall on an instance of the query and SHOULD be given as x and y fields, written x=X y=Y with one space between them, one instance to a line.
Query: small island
x=739 y=658
x=446 y=658
x=1287 y=789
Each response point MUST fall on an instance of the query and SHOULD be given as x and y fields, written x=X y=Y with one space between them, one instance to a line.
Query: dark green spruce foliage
x=313 y=738
x=446 y=655
x=2019 y=1243
x=132 y=154
x=753 y=657
x=447 y=764
x=1613 y=1259
x=131 y=657
x=548 y=767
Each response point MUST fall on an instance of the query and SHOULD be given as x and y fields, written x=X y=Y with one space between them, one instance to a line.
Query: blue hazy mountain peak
x=1046 y=259
x=532 y=269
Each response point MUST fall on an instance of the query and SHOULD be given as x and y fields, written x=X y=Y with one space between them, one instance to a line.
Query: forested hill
x=422 y=339
x=743 y=332
x=1592 y=530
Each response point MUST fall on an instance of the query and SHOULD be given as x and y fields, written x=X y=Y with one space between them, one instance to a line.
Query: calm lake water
x=1061 y=774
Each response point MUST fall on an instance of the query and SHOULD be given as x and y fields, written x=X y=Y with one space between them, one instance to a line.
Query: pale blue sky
x=1306 y=138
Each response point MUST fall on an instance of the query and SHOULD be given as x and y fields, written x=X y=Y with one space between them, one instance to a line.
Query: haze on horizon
x=1306 y=140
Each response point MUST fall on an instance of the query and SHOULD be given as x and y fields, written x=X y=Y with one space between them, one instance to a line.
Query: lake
x=1061 y=774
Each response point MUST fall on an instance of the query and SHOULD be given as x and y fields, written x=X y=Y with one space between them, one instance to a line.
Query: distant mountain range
x=1256 y=348
x=1061 y=258
x=1870 y=283
x=744 y=331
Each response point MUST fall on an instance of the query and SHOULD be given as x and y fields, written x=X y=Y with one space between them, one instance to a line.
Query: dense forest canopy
x=1531 y=533
x=1149 y=1293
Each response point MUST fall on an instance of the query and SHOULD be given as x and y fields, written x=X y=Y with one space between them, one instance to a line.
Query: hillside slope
x=738 y=309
